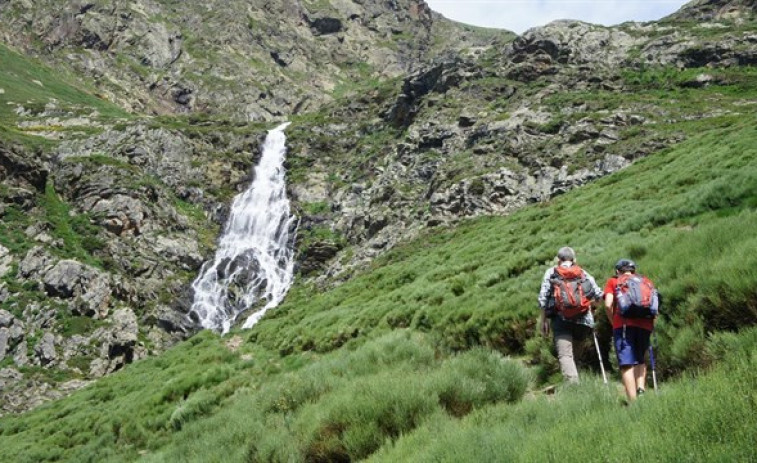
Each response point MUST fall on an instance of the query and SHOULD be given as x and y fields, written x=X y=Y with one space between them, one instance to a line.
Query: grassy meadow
x=696 y=419
x=431 y=355
x=31 y=90
x=685 y=215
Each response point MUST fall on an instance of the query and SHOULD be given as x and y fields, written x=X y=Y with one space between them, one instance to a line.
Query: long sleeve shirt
x=545 y=293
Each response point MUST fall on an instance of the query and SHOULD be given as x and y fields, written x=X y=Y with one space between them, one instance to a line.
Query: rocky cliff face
x=524 y=122
x=245 y=60
x=107 y=214
x=401 y=121
x=713 y=10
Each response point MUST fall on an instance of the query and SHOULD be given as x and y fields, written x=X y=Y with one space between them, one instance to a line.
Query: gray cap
x=566 y=253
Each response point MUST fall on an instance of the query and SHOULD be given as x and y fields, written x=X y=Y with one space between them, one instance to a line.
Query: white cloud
x=519 y=15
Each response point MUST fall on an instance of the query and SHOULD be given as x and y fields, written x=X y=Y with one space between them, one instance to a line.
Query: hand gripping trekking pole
x=599 y=354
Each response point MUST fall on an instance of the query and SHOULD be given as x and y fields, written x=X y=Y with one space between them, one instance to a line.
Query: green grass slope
x=705 y=419
x=685 y=215
x=405 y=363
x=46 y=99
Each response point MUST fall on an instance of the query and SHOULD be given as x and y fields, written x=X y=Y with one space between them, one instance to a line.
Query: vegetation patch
x=717 y=428
x=345 y=405
x=476 y=284
x=77 y=233
x=30 y=87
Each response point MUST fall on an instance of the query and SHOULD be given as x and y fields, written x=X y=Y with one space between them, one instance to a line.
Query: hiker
x=632 y=323
x=566 y=297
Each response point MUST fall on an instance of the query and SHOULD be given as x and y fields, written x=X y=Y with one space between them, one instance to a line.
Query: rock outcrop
x=249 y=61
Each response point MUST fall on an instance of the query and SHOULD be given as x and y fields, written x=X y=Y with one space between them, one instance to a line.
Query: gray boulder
x=6 y=318
x=122 y=214
x=20 y=170
x=20 y=355
x=572 y=42
x=45 y=349
x=36 y=262
x=71 y=279
x=6 y=259
x=118 y=344
x=4 y=341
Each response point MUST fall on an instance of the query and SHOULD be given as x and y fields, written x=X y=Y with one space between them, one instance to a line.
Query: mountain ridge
x=249 y=62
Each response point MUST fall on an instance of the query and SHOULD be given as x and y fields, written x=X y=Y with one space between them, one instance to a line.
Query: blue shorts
x=631 y=344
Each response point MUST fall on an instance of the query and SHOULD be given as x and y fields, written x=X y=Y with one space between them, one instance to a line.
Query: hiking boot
x=640 y=392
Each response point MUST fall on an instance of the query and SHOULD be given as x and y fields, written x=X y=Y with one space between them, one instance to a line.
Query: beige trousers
x=567 y=335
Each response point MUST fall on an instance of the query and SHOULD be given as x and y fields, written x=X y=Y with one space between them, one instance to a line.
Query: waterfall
x=254 y=261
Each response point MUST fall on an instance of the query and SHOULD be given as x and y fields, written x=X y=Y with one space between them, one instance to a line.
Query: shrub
x=540 y=353
x=393 y=349
x=685 y=349
x=708 y=419
x=478 y=377
x=294 y=390
x=198 y=404
x=353 y=422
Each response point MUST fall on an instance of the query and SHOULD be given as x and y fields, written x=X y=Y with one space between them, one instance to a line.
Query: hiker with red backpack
x=565 y=299
x=632 y=305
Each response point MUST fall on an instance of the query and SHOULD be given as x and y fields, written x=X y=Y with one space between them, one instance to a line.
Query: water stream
x=254 y=261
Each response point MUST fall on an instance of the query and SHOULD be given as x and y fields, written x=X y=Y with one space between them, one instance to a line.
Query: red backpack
x=636 y=296
x=571 y=290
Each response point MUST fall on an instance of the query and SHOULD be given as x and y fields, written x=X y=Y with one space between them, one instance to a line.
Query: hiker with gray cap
x=566 y=300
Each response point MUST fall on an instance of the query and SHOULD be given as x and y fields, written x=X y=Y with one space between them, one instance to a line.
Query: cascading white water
x=254 y=260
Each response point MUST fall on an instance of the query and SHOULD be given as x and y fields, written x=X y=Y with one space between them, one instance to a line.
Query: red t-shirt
x=617 y=320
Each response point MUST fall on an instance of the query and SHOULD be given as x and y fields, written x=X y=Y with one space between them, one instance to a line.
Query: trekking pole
x=599 y=354
x=652 y=363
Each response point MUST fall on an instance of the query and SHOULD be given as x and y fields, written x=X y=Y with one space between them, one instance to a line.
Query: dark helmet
x=625 y=265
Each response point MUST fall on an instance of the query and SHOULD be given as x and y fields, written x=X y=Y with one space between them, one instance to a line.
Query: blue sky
x=520 y=15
